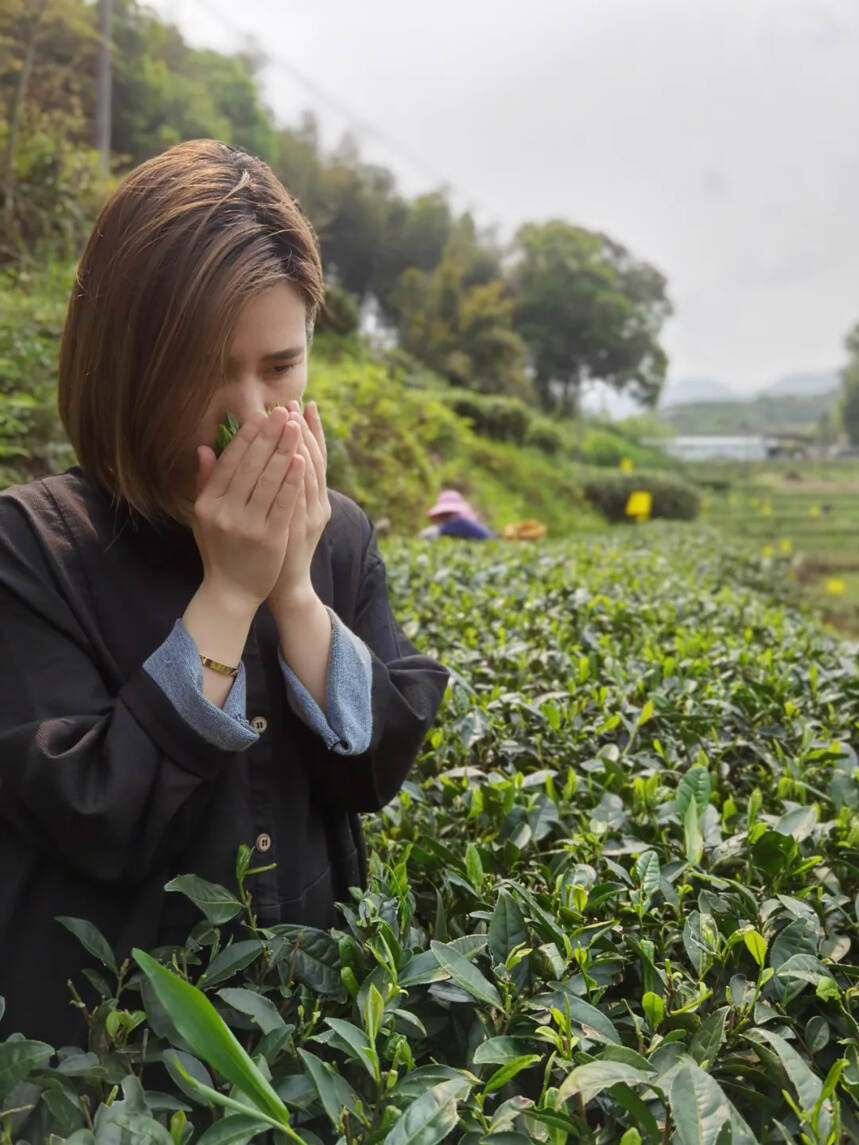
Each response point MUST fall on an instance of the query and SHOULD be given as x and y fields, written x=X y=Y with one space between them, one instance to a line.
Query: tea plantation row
x=616 y=902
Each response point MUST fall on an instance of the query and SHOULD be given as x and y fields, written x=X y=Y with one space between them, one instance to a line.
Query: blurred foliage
x=850 y=388
x=672 y=497
x=458 y=317
x=588 y=310
x=573 y=305
x=32 y=310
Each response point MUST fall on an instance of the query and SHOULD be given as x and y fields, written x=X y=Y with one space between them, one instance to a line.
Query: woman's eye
x=284 y=369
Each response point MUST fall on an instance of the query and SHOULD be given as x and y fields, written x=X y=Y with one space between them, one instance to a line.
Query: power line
x=360 y=126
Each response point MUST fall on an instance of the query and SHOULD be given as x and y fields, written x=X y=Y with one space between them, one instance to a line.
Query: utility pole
x=103 y=98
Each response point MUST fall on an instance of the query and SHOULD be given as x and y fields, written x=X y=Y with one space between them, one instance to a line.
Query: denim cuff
x=346 y=725
x=175 y=667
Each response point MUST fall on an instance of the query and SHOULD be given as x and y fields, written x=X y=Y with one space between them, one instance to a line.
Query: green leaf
x=91 y=938
x=639 y=1109
x=817 y=1033
x=700 y=939
x=693 y=839
x=325 y=1085
x=699 y=1107
x=807 y=1084
x=17 y=1058
x=773 y=853
x=694 y=787
x=465 y=975
x=646 y=713
x=357 y=1042
x=129 y=1120
x=429 y=1119
x=509 y=1070
x=374 y=1012
x=416 y=1083
x=708 y=1038
x=473 y=866
x=177 y=1126
x=798 y=823
x=215 y=901
x=594 y=1022
x=315 y=956
x=648 y=872
x=234 y=1129
x=238 y=956
x=592 y=1078
x=654 y=1009
x=499 y=1050
x=181 y=1065
x=215 y=1097
x=756 y=945
x=507 y=928
x=208 y=1036
x=226 y=431
x=256 y=1006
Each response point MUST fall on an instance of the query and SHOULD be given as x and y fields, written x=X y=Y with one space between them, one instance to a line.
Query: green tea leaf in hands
x=227 y=430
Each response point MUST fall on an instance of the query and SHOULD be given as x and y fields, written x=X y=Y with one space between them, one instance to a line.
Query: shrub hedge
x=673 y=498
x=614 y=903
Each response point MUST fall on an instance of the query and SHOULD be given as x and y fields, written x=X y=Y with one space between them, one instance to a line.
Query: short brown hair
x=186 y=239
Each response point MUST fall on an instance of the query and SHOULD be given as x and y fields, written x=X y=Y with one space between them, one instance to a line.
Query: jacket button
x=259 y=724
x=263 y=842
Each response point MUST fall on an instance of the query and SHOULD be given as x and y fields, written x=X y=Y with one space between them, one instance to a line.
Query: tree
x=459 y=320
x=50 y=184
x=164 y=91
x=850 y=388
x=587 y=311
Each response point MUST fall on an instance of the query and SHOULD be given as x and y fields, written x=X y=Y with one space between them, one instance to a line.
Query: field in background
x=808 y=511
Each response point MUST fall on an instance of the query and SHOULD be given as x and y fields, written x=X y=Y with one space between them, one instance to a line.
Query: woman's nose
x=245 y=400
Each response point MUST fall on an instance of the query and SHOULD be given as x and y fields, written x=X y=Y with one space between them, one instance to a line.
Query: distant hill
x=807 y=383
x=698 y=391
x=768 y=412
x=688 y=391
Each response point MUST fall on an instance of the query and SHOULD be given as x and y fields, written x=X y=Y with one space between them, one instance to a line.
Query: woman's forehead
x=271 y=322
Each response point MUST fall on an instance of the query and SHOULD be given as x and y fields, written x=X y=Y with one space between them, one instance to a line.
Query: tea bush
x=673 y=498
x=615 y=902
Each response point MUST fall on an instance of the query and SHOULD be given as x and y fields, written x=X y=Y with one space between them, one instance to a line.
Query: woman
x=195 y=651
x=452 y=516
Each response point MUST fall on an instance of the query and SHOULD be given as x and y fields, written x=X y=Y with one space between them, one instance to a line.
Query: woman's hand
x=245 y=504
x=293 y=588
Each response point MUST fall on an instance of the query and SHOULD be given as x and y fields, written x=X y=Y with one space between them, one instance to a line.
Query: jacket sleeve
x=93 y=774
x=346 y=725
x=175 y=667
x=406 y=692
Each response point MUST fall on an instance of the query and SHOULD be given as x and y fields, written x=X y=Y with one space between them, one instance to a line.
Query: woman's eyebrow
x=275 y=356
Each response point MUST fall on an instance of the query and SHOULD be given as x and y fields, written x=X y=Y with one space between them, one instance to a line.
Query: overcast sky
x=718 y=139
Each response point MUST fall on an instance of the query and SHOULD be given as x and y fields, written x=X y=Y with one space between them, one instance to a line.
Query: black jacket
x=106 y=793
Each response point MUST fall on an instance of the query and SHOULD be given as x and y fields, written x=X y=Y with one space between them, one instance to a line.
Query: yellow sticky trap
x=639 y=504
x=766 y=509
x=768 y=550
x=626 y=465
x=785 y=545
x=814 y=511
x=835 y=586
